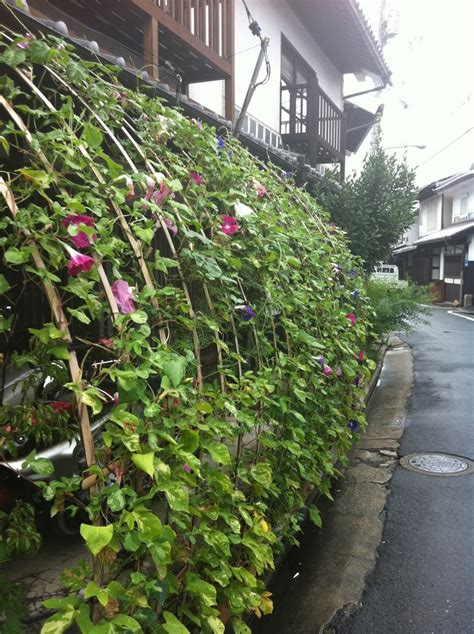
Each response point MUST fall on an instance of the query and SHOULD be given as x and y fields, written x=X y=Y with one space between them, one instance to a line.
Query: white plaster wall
x=427 y=206
x=461 y=190
x=275 y=17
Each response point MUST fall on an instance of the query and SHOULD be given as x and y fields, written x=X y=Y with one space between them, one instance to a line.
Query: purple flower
x=79 y=263
x=229 y=226
x=353 y=425
x=81 y=240
x=249 y=313
x=220 y=143
x=355 y=294
x=123 y=296
x=352 y=273
x=321 y=360
x=286 y=174
x=26 y=41
x=356 y=381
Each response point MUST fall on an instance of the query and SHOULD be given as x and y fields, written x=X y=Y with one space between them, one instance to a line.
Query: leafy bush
x=229 y=312
x=397 y=307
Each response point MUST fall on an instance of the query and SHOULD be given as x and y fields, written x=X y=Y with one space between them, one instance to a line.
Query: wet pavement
x=423 y=580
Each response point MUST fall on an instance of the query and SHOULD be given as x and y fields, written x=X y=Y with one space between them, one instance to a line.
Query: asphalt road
x=423 y=582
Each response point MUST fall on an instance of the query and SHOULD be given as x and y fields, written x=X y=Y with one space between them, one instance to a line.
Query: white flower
x=241 y=210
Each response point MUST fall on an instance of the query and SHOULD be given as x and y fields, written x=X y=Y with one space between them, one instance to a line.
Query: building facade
x=439 y=248
x=200 y=54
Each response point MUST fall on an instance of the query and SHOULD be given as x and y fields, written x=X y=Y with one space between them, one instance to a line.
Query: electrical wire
x=446 y=146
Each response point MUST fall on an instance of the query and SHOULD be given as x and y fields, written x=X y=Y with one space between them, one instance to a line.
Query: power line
x=446 y=146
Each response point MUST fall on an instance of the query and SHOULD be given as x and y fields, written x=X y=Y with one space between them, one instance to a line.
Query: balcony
x=195 y=36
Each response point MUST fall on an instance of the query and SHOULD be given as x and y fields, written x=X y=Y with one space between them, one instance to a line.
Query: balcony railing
x=330 y=124
x=205 y=19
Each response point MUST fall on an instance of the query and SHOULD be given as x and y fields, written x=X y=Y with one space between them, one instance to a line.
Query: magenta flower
x=161 y=195
x=79 y=263
x=81 y=240
x=229 y=226
x=197 y=178
x=352 y=318
x=327 y=370
x=260 y=189
x=360 y=356
x=123 y=296
x=170 y=225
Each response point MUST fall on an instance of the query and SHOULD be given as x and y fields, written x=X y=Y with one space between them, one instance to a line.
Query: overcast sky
x=432 y=62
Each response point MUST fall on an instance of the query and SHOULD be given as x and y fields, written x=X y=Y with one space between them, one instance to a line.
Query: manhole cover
x=439 y=464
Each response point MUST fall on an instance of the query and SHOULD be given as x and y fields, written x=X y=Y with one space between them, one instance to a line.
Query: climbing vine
x=199 y=306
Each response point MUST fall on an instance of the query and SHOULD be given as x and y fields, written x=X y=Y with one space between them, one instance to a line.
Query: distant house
x=202 y=54
x=439 y=248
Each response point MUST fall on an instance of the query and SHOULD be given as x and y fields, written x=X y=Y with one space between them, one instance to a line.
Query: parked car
x=387 y=273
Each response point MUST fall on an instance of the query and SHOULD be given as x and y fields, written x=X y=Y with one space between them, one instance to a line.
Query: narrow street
x=422 y=583
x=418 y=565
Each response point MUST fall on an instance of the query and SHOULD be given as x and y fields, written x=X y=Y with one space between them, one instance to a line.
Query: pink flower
x=123 y=296
x=130 y=189
x=352 y=318
x=79 y=263
x=170 y=225
x=187 y=468
x=229 y=226
x=160 y=195
x=197 y=178
x=260 y=189
x=360 y=356
x=327 y=370
x=81 y=240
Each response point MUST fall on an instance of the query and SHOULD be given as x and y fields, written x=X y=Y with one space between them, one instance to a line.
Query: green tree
x=374 y=206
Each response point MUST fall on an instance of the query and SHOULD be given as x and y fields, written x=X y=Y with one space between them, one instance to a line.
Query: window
x=435 y=263
x=296 y=77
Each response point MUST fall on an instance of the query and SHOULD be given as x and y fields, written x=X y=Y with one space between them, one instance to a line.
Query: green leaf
x=59 y=622
x=315 y=516
x=39 y=178
x=97 y=537
x=42 y=466
x=139 y=316
x=144 y=234
x=240 y=627
x=173 y=625
x=189 y=440
x=93 y=590
x=216 y=625
x=262 y=473
x=4 y=285
x=128 y=623
x=17 y=256
x=14 y=56
x=145 y=462
x=178 y=498
x=79 y=315
x=204 y=407
x=92 y=136
x=202 y=590
x=174 y=369
x=219 y=452
x=116 y=500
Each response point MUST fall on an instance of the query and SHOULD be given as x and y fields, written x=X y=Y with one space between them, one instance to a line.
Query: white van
x=386 y=273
